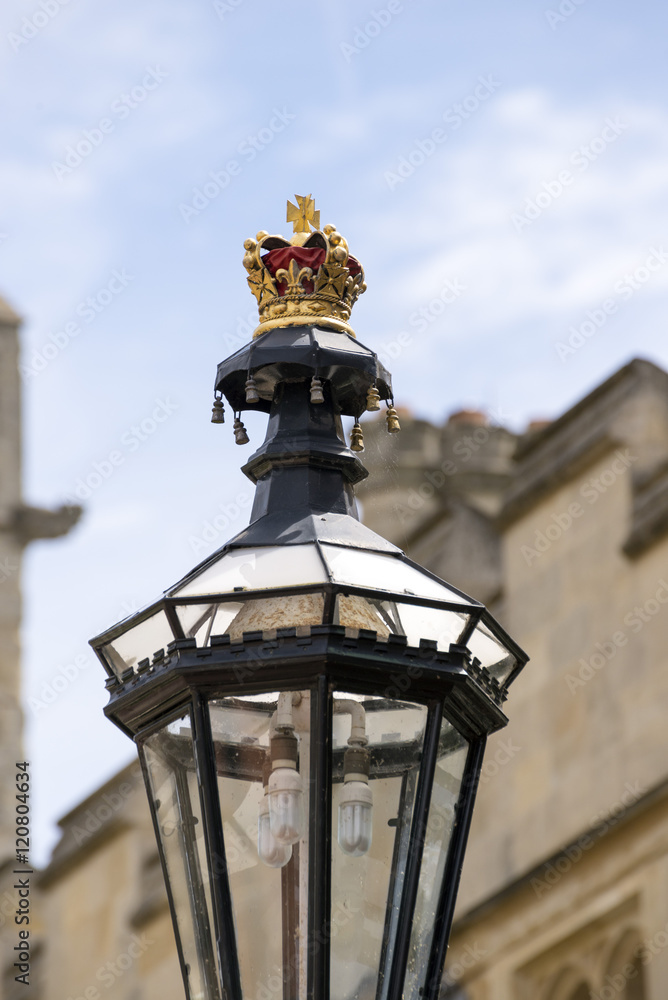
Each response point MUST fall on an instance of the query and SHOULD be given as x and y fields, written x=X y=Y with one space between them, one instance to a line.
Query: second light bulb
x=284 y=789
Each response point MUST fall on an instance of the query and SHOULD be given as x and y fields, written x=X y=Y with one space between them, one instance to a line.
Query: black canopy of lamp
x=310 y=706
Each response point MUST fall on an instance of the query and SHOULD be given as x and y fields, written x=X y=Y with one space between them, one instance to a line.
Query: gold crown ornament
x=310 y=279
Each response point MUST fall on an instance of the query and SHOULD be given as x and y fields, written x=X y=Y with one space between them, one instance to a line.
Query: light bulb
x=355 y=818
x=269 y=850
x=285 y=804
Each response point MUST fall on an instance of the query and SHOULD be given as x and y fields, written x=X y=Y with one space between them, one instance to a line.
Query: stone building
x=19 y=525
x=563 y=532
x=564 y=892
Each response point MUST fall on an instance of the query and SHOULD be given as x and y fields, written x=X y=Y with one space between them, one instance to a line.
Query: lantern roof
x=309 y=582
x=305 y=560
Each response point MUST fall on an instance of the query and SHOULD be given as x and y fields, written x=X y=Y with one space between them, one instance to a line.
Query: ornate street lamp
x=310 y=706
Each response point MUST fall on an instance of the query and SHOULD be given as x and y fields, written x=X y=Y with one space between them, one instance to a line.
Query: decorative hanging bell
x=373 y=399
x=251 y=390
x=240 y=435
x=357 y=438
x=393 y=425
x=218 y=412
x=316 y=390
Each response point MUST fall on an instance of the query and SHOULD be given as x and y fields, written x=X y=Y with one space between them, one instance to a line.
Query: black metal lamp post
x=313 y=722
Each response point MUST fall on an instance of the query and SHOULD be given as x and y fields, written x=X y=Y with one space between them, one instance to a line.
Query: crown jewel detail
x=311 y=278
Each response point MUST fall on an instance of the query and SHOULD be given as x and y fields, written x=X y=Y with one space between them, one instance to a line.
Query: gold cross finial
x=305 y=214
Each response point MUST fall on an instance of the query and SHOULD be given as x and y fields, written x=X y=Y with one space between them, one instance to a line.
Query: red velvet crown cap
x=311 y=257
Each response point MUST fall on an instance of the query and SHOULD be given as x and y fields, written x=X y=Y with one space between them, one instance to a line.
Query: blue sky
x=517 y=153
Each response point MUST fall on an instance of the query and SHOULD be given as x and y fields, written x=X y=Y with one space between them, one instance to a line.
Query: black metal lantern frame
x=179 y=615
x=311 y=709
x=459 y=712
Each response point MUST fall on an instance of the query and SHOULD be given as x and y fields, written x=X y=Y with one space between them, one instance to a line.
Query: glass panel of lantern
x=398 y=617
x=143 y=639
x=174 y=797
x=201 y=621
x=492 y=653
x=386 y=571
x=262 y=751
x=377 y=747
x=255 y=569
x=234 y=617
x=448 y=778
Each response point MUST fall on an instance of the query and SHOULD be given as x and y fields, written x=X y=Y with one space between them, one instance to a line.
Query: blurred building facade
x=563 y=532
x=19 y=525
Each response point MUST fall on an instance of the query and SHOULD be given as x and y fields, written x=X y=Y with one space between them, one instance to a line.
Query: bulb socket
x=356 y=764
x=284 y=750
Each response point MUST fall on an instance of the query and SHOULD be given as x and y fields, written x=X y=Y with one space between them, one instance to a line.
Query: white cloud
x=455 y=214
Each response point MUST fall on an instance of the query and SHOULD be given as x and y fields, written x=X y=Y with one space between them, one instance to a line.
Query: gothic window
x=605 y=960
x=570 y=985
x=635 y=989
x=625 y=973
